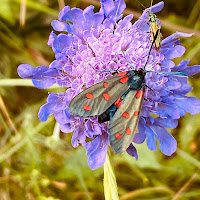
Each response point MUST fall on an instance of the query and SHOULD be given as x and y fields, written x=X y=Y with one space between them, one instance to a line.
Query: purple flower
x=105 y=41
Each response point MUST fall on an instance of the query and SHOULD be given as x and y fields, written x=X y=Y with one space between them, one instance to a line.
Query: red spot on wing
x=143 y=92
x=117 y=101
x=106 y=96
x=124 y=79
x=89 y=96
x=122 y=74
x=138 y=94
x=119 y=104
x=136 y=113
x=126 y=115
x=87 y=107
x=128 y=131
x=105 y=84
x=118 y=135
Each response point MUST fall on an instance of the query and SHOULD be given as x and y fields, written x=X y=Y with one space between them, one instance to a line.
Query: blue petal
x=113 y=9
x=165 y=110
x=157 y=7
x=189 y=104
x=141 y=136
x=173 y=84
x=64 y=116
x=119 y=8
x=43 y=76
x=41 y=72
x=184 y=89
x=52 y=37
x=92 y=129
x=108 y=6
x=132 y=151
x=55 y=103
x=151 y=142
x=66 y=128
x=26 y=71
x=167 y=64
x=191 y=70
x=96 y=150
x=92 y=20
x=167 y=143
x=63 y=14
x=44 y=83
x=78 y=136
x=60 y=26
x=70 y=93
x=171 y=53
x=65 y=119
x=181 y=65
x=44 y=112
x=126 y=21
x=166 y=122
x=61 y=42
x=171 y=37
x=75 y=16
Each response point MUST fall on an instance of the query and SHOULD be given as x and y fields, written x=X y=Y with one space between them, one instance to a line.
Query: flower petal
x=141 y=135
x=171 y=37
x=166 y=122
x=96 y=150
x=43 y=75
x=167 y=143
x=78 y=136
x=61 y=42
x=165 y=110
x=151 y=142
x=108 y=6
x=132 y=151
x=174 y=52
x=92 y=129
x=55 y=103
x=189 y=104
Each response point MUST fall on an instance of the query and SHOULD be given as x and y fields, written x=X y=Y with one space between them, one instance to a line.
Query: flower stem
x=21 y=82
x=110 y=184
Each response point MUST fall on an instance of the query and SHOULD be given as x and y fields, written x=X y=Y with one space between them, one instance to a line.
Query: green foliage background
x=38 y=162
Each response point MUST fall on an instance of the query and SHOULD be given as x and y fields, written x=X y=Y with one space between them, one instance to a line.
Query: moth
x=118 y=100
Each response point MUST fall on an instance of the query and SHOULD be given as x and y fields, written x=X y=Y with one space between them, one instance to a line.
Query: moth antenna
x=141 y=4
x=180 y=74
x=131 y=65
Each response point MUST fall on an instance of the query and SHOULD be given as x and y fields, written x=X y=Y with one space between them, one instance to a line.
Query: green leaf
x=6 y=12
x=39 y=6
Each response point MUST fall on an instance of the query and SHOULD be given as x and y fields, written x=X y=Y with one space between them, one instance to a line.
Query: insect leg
x=148 y=87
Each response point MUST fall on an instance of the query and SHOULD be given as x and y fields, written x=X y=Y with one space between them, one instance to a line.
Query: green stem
x=110 y=184
x=16 y=82
x=21 y=82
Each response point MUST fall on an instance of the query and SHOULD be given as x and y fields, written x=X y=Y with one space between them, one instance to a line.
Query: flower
x=86 y=42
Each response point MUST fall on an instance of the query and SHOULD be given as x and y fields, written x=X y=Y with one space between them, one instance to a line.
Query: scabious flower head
x=85 y=43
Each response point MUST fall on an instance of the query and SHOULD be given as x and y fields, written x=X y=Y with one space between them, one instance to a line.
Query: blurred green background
x=38 y=162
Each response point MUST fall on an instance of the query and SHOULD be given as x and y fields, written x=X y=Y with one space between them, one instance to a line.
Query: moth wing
x=123 y=124
x=99 y=97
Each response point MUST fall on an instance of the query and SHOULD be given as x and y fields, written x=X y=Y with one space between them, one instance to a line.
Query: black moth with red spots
x=118 y=100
